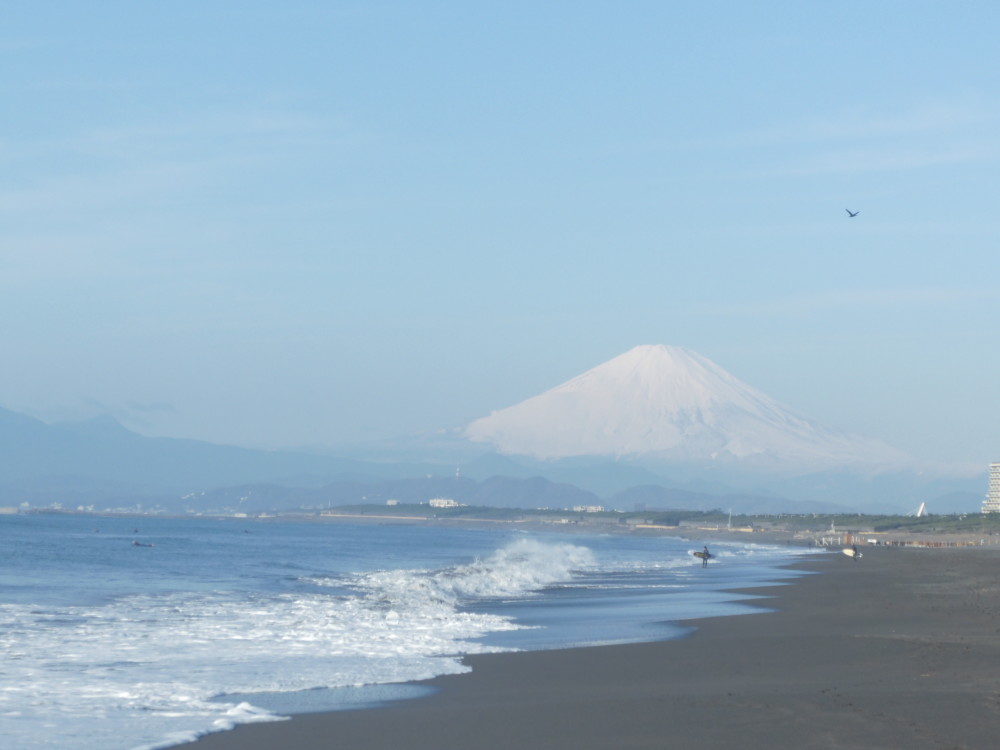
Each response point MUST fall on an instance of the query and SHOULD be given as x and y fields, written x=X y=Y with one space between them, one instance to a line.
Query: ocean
x=136 y=633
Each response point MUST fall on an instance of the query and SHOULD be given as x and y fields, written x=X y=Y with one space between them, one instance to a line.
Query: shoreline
x=769 y=534
x=894 y=651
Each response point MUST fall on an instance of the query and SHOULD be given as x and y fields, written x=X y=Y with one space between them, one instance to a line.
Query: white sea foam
x=225 y=615
x=141 y=671
x=520 y=569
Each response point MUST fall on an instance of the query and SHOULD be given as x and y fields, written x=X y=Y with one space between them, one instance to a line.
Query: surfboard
x=850 y=553
x=703 y=555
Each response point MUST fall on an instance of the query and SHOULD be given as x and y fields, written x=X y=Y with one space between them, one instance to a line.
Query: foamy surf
x=214 y=627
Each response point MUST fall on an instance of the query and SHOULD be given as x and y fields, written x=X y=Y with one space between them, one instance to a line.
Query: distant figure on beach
x=704 y=556
x=856 y=556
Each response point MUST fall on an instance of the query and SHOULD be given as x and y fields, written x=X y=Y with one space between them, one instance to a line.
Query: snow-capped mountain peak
x=671 y=403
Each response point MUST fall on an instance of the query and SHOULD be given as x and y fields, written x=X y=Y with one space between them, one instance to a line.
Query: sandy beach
x=898 y=650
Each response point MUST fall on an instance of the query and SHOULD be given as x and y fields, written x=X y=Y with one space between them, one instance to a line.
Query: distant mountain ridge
x=99 y=463
x=100 y=452
x=674 y=405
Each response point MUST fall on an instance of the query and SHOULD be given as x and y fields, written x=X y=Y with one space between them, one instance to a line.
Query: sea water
x=144 y=632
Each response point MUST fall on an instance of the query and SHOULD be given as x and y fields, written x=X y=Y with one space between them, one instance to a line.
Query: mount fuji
x=672 y=405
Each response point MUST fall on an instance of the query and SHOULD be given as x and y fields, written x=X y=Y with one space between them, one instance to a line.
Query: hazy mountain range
x=656 y=427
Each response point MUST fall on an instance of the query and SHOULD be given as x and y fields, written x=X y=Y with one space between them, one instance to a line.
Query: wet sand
x=898 y=650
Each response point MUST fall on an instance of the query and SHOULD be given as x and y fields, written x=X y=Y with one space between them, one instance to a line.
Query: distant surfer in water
x=856 y=556
x=705 y=555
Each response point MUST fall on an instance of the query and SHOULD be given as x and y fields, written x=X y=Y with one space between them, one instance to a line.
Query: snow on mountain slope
x=672 y=404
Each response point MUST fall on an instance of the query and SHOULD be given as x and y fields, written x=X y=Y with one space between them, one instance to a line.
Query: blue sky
x=311 y=223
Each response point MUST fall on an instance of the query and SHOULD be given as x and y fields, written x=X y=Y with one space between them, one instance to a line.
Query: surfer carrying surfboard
x=704 y=556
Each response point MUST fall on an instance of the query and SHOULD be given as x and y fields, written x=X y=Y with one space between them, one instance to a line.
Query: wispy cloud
x=893 y=157
x=919 y=118
x=68 y=203
x=911 y=135
x=919 y=136
x=845 y=299
x=202 y=138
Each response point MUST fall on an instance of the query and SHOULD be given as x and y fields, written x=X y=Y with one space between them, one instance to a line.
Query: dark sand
x=899 y=650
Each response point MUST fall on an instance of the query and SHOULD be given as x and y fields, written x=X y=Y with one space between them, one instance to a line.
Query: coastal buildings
x=992 y=502
x=443 y=502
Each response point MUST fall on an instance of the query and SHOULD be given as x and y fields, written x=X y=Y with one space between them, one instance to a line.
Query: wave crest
x=522 y=568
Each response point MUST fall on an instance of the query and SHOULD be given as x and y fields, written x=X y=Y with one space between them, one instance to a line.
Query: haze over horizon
x=323 y=223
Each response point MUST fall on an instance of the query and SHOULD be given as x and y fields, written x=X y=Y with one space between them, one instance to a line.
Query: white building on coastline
x=992 y=502
x=444 y=502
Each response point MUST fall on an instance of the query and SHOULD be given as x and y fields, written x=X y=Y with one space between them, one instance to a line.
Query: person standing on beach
x=855 y=555
x=705 y=555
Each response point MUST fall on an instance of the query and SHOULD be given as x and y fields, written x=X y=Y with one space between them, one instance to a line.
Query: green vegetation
x=960 y=523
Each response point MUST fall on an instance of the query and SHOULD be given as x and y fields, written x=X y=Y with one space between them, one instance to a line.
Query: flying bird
x=850 y=213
